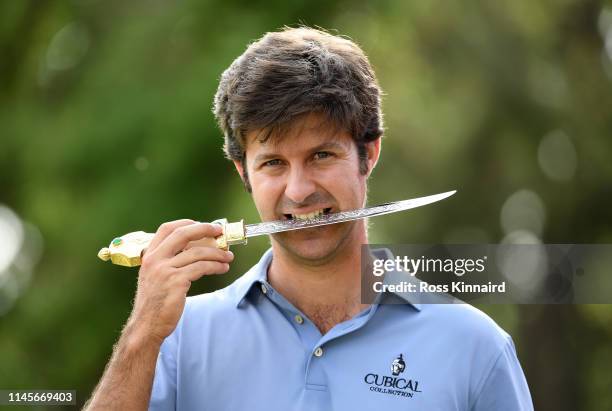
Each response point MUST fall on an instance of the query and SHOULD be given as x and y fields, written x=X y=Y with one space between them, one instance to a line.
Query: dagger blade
x=271 y=227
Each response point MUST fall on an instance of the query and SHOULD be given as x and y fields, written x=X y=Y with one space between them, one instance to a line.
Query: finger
x=165 y=230
x=181 y=236
x=201 y=254
x=196 y=270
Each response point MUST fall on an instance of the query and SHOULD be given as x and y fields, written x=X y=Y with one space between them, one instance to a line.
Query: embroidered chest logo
x=398 y=366
x=393 y=384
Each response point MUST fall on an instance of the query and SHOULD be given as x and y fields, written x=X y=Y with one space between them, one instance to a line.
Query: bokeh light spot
x=557 y=156
x=523 y=210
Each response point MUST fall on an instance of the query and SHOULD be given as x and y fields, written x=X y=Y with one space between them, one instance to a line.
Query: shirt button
x=318 y=352
x=264 y=289
x=299 y=319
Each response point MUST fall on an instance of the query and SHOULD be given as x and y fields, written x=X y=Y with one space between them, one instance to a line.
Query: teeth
x=308 y=216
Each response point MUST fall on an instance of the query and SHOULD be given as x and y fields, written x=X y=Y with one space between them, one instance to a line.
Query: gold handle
x=127 y=250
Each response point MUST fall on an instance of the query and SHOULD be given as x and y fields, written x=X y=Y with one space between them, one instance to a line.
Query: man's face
x=309 y=171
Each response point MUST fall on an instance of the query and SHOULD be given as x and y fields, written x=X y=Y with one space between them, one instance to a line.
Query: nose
x=299 y=185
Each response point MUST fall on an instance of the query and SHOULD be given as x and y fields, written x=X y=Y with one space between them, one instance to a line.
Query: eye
x=320 y=155
x=272 y=163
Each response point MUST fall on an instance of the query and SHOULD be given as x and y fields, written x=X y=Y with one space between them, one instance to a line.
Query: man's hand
x=182 y=251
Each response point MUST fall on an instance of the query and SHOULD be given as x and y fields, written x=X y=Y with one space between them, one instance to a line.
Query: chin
x=314 y=245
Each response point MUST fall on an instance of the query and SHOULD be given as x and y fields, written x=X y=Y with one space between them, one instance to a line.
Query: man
x=300 y=110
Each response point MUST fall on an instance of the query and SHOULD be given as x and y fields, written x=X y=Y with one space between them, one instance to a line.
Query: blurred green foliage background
x=106 y=127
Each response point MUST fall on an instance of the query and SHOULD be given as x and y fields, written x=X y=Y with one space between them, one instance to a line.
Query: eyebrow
x=328 y=145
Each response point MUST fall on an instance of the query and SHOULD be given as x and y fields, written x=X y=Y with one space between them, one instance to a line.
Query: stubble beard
x=328 y=254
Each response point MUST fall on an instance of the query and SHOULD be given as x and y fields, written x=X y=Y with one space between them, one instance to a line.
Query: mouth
x=308 y=216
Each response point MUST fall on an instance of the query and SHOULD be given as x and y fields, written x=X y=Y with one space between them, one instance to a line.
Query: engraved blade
x=271 y=227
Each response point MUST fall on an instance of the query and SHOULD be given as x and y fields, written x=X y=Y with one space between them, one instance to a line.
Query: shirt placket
x=315 y=344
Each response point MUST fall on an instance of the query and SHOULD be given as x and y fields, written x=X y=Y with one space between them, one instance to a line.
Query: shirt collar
x=395 y=297
x=256 y=275
x=259 y=273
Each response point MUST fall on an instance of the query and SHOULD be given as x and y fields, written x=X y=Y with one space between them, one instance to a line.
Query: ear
x=373 y=150
x=239 y=168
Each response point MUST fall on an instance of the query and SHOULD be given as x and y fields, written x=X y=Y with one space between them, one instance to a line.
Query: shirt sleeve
x=163 y=394
x=505 y=387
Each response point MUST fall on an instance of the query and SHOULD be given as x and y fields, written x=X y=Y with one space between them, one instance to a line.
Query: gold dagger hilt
x=128 y=249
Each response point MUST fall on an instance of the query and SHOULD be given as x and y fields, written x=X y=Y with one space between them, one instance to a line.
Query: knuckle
x=203 y=253
x=197 y=253
x=172 y=272
x=146 y=262
x=202 y=266
x=182 y=283
x=211 y=228
x=165 y=228
x=169 y=226
x=206 y=267
x=156 y=269
x=182 y=231
x=179 y=235
x=220 y=268
x=177 y=281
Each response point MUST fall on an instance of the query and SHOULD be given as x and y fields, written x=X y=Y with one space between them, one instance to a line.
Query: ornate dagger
x=127 y=250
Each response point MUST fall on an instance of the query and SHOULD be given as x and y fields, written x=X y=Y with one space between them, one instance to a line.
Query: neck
x=328 y=292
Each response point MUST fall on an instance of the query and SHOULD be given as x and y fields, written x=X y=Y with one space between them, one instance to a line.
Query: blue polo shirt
x=246 y=347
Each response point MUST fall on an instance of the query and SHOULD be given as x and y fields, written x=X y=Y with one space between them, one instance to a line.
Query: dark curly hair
x=291 y=73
